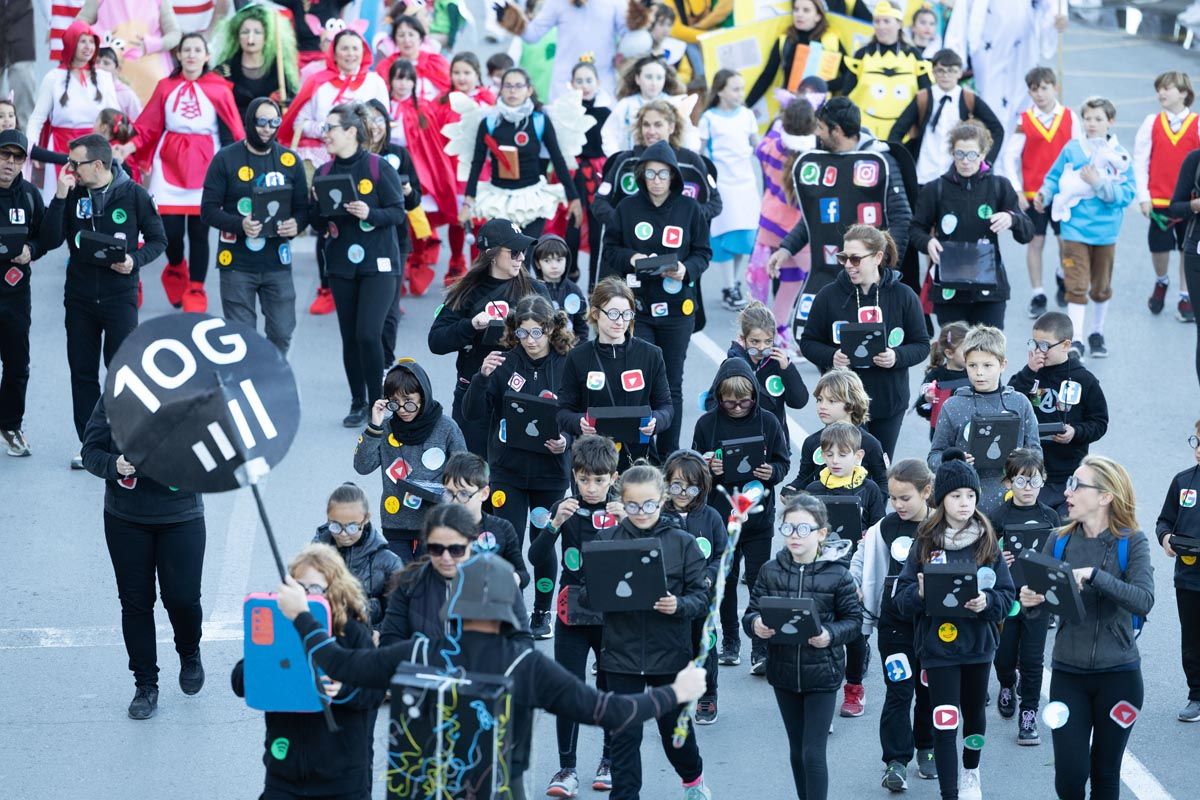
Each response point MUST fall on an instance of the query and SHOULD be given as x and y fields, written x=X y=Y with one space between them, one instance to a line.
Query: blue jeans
x=275 y=292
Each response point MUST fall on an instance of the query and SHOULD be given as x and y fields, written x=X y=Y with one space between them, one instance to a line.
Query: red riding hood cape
x=331 y=75
x=433 y=67
x=152 y=122
x=70 y=42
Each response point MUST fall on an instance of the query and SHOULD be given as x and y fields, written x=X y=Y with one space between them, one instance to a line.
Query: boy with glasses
x=1067 y=400
x=465 y=477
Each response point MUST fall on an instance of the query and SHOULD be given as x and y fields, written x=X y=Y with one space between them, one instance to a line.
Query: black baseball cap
x=503 y=233
x=14 y=138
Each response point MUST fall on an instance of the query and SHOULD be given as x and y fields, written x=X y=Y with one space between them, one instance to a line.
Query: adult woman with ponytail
x=869 y=290
x=1096 y=669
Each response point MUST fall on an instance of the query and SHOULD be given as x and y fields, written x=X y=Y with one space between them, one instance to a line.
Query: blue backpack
x=1060 y=548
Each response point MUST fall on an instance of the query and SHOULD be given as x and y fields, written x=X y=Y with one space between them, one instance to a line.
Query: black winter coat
x=804 y=668
x=1089 y=417
x=415 y=605
x=1176 y=517
x=369 y=560
x=21 y=205
x=812 y=461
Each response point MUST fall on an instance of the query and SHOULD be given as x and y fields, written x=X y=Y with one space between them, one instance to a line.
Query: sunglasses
x=438 y=550
x=676 y=489
x=350 y=527
x=854 y=259
x=1028 y=481
x=10 y=155
x=408 y=406
x=648 y=507
x=615 y=315
x=970 y=156
x=1074 y=485
x=663 y=174
x=799 y=530
x=530 y=333
x=462 y=496
x=745 y=404
x=74 y=165
x=268 y=122
x=1042 y=347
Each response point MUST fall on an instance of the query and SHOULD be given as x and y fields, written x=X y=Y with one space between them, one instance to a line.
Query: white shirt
x=1014 y=144
x=1141 y=149
x=934 y=158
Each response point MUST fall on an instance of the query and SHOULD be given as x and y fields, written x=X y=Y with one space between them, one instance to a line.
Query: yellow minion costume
x=884 y=78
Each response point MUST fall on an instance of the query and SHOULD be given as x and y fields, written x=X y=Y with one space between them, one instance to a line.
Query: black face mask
x=252 y=137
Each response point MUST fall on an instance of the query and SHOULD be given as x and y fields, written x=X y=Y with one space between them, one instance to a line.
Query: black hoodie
x=122 y=209
x=778 y=389
x=21 y=205
x=362 y=248
x=1089 y=417
x=957 y=209
x=839 y=302
x=618 y=182
x=675 y=227
x=715 y=427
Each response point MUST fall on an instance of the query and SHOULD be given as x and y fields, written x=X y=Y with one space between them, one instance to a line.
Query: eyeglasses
x=515 y=87
x=755 y=352
x=798 y=530
x=1074 y=485
x=744 y=404
x=947 y=70
x=663 y=174
x=1193 y=442
x=350 y=527
x=327 y=127
x=1028 y=481
x=75 y=165
x=614 y=315
x=854 y=259
x=268 y=122
x=530 y=333
x=9 y=155
x=462 y=496
x=970 y=156
x=408 y=406
x=314 y=588
x=438 y=550
x=675 y=489
x=648 y=507
x=1041 y=346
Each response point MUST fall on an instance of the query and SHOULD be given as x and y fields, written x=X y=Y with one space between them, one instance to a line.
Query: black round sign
x=201 y=403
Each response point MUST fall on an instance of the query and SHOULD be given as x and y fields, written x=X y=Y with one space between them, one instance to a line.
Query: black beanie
x=954 y=473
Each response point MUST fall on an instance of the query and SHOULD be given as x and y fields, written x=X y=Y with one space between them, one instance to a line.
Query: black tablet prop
x=624 y=575
x=949 y=587
x=794 y=619
x=1054 y=579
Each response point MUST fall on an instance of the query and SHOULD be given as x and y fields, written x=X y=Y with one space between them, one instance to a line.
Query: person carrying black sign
x=256 y=196
x=101 y=214
x=21 y=215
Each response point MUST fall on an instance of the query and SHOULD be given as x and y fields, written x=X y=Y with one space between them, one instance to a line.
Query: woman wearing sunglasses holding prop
x=957 y=222
x=408 y=438
x=869 y=290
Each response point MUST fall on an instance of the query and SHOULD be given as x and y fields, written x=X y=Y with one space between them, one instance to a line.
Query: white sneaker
x=968 y=785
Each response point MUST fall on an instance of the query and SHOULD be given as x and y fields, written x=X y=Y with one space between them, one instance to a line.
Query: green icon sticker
x=774 y=386
x=705 y=546
x=643 y=230
x=818 y=456
x=119 y=216
x=438 y=310
x=545 y=585
x=974 y=741
x=984 y=211
x=244 y=206
x=629 y=183
x=279 y=748
x=77 y=238
x=896 y=337
x=1016 y=608
x=572 y=559
x=810 y=173
x=712 y=639
x=365 y=226
x=948 y=294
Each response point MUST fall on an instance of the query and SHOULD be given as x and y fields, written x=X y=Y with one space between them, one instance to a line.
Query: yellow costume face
x=887 y=83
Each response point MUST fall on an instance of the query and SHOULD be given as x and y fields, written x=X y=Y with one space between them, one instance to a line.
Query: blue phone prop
x=278 y=677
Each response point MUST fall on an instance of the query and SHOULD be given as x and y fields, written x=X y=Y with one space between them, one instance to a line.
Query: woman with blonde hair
x=1096 y=687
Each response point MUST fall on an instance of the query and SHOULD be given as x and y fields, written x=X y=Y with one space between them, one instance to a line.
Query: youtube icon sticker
x=632 y=380
x=399 y=470
x=1124 y=713
x=602 y=520
x=945 y=718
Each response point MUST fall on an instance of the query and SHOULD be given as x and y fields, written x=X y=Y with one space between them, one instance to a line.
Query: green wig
x=275 y=28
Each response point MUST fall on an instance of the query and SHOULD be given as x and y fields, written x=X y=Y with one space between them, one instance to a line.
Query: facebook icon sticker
x=830 y=212
x=897 y=667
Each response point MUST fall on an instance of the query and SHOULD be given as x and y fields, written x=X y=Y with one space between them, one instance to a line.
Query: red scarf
x=331 y=75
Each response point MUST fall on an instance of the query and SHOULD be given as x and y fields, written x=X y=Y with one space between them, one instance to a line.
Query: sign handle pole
x=262 y=514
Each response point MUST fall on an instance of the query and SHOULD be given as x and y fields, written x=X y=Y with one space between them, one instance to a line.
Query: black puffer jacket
x=369 y=560
x=804 y=668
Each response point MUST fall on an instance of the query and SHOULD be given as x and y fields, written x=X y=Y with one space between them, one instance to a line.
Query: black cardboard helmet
x=484 y=589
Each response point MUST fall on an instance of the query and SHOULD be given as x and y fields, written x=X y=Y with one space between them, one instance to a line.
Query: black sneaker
x=145 y=703
x=356 y=418
x=1184 y=312
x=1006 y=703
x=191 y=673
x=1096 y=345
x=731 y=654
x=1060 y=293
x=758 y=664
x=926 y=766
x=1077 y=349
x=895 y=777
x=539 y=625
x=706 y=711
x=1158 y=298
x=1037 y=306
x=1028 y=734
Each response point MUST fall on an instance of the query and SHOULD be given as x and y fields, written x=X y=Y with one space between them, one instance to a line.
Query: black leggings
x=710 y=663
x=322 y=238
x=174 y=225
x=391 y=323
x=858 y=652
x=362 y=305
x=1191 y=273
x=755 y=551
x=672 y=335
x=806 y=718
x=963 y=686
x=901 y=727
x=1187 y=602
x=574 y=234
x=627 y=745
x=175 y=553
x=1023 y=644
x=1091 y=697
x=517 y=504
x=886 y=430
x=571 y=646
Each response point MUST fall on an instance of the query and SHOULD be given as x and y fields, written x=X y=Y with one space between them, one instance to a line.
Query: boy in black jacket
x=1080 y=416
x=1178 y=516
x=840 y=397
x=465 y=477
x=1021 y=523
x=740 y=422
x=550 y=256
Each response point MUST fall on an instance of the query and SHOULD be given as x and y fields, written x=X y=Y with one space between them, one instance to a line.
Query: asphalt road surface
x=64 y=731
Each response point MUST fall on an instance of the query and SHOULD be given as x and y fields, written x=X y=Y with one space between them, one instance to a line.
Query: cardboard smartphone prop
x=1020 y=539
x=12 y=240
x=1054 y=579
x=794 y=619
x=622 y=423
x=572 y=611
x=845 y=515
x=967 y=265
x=270 y=205
x=333 y=192
x=101 y=249
x=949 y=587
x=276 y=667
x=1185 y=545
x=528 y=422
x=1048 y=430
x=656 y=265
x=450 y=736
x=741 y=457
x=625 y=575
x=862 y=341
x=992 y=438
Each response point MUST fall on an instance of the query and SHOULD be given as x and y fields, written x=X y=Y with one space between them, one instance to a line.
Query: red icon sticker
x=1124 y=713
x=13 y=276
x=945 y=718
x=870 y=213
x=128 y=482
x=522 y=138
x=602 y=520
x=870 y=314
x=924 y=678
x=632 y=380
x=262 y=626
x=497 y=309
x=399 y=470
x=830 y=176
x=672 y=236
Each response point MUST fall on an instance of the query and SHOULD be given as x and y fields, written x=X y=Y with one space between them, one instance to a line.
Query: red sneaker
x=175 y=282
x=854 y=696
x=419 y=278
x=323 y=304
x=457 y=268
x=195 y=299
